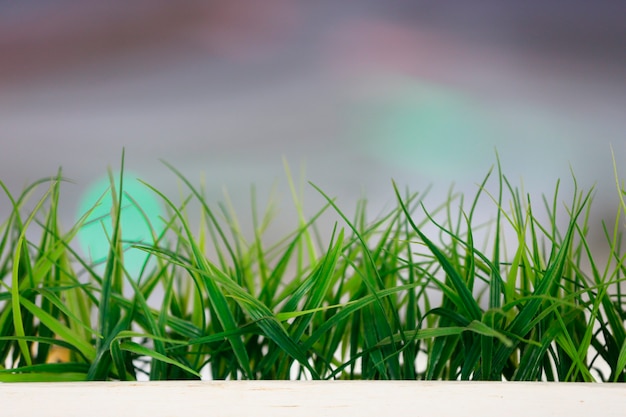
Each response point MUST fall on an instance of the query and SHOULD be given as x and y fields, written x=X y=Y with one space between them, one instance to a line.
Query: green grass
x=415 y=293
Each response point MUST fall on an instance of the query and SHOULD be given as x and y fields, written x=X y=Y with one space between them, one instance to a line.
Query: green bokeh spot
x=427 y=128
x=94 y=237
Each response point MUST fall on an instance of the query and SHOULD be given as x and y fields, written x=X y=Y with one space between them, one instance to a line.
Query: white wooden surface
x=331 y=398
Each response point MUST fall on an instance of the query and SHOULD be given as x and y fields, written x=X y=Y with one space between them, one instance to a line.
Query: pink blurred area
x=359 y=91
x=57 y=36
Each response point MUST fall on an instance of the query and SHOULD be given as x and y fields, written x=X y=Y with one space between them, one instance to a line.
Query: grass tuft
x=413 y=293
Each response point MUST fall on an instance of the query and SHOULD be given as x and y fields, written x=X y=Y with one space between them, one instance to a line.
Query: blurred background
x=356 y=92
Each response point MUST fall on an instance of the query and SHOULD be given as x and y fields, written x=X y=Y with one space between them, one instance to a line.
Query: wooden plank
x=305 y=398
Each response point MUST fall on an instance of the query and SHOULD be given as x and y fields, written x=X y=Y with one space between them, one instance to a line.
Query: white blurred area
x=359 y=92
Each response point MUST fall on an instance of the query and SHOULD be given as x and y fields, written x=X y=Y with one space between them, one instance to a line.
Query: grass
x=409 y=294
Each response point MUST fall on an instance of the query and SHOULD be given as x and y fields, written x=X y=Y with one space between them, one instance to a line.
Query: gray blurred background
x=357 y=92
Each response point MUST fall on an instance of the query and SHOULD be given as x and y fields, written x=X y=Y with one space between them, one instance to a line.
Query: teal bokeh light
x=140 y=212
x=425 y=128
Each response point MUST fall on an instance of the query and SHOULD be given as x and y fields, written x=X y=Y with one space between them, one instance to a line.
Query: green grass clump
x=407 y=295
